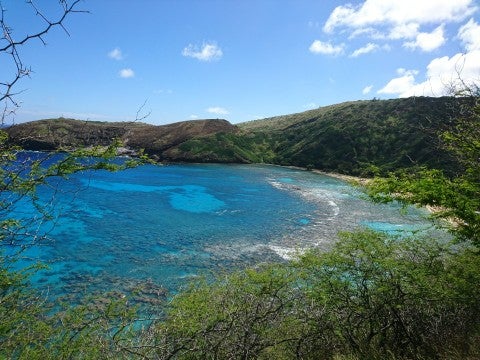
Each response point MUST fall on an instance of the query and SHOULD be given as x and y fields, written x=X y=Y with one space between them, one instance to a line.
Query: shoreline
x=348 y=178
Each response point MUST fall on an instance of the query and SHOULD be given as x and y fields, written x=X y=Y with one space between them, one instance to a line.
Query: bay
x=152 y=229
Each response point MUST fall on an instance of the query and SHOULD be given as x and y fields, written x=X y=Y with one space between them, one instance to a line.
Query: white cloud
x=126 y=73
x=326 y=48
x=395 y=13
x=427 y=41
x=206 y=52
x=116 y=54
x=442 y=75
x=469 y=34
x=400 y=84
x=366 y=90
x=368 y=31
x=193 y=117
x=217 y=110
x=445 y=72
x=404 y=20
x=365 y=50
x=404 y=31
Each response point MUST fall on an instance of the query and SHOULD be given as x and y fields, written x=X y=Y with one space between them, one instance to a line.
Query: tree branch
x=9 y=47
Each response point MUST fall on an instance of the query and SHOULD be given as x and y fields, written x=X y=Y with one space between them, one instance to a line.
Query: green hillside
x=364 y=136
x=357 y=137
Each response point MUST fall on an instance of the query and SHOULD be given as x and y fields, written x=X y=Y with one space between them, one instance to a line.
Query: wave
x=319 y=196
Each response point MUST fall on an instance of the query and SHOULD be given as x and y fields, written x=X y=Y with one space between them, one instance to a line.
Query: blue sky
x=238 y=60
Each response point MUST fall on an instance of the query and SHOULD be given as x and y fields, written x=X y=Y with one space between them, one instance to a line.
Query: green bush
x=370 y=297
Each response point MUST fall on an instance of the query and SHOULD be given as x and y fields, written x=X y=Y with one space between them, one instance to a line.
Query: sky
x=238 y=60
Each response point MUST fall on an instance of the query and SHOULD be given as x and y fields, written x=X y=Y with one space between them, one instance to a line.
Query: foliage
x=30 y=327
x=361 y=137
x=227 y=147
x=386 y=297
x=454 y=197
x=238 y=316
x=370 y=297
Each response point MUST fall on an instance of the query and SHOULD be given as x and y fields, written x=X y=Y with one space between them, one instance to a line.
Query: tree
x=454 y=198
x=30 y=326
x=371 y=296
x=245 y=315
x=386 y=297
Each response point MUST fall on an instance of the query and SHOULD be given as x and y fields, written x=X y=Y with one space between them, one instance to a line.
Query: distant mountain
x=359 y=137
x=157 y=141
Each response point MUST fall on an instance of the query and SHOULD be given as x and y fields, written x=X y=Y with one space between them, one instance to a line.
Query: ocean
x=152 y=229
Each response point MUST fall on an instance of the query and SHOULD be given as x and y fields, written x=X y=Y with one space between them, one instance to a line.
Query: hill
x=356 y=137
x=156 y=141
x=362 y=137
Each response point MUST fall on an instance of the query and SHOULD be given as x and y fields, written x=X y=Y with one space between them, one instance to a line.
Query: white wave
x=284 y=252
x=336 y=208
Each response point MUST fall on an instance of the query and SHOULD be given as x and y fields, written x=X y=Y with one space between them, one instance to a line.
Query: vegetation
x=359 y=138
x=372 y=296
x=227 y=147
x=455 y=197
x=364 y=137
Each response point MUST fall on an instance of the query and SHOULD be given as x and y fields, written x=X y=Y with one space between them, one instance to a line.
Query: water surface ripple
x=163 y=225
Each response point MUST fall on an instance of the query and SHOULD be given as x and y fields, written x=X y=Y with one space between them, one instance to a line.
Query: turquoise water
x=153 y=228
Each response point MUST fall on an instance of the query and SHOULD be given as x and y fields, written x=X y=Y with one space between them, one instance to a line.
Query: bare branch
x=139 y=117
x=9 y=46
x=67 y=10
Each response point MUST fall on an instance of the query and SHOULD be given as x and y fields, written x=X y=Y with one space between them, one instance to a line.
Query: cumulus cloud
x=126 y=73
x=427 y=41
x=116 y=54
x=395 y=13
x=206 y=52
x=401 y=84
x=442 y=75
x=326 y=48
x=404 y=31
x=217 y=110
x=469 y=35
x=366 y=90
x=364 y=50
x=402 y=21
x=368 y=32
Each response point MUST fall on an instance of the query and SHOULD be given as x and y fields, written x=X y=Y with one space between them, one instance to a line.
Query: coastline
x=356 y=180
x=348 y=178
